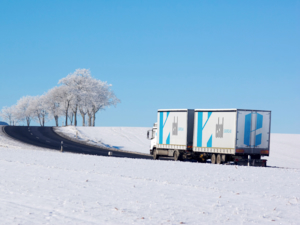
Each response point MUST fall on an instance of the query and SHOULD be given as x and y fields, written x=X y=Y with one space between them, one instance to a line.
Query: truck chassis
x=202 y=157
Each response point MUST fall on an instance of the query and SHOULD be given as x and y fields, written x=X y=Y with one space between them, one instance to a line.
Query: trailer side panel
x=214 y=131
x=173 y=129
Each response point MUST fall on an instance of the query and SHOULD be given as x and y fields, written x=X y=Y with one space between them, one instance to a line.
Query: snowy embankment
x=284 y=152
x=123 y=138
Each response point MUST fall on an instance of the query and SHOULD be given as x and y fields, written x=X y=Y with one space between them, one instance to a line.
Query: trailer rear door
x=253 y=130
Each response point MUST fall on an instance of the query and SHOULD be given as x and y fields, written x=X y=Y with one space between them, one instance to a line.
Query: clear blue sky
x=158 y=54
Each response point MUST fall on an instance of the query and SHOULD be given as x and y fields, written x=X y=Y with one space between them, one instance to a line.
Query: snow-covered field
x=285 y=151
x=50 y=187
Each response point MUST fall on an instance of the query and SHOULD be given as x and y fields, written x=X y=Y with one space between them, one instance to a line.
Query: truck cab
x=152 y=135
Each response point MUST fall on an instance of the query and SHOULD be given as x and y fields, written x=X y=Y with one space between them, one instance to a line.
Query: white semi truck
x=221 y=135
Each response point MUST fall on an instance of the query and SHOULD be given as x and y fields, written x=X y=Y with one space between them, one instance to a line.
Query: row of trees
x=79 y=92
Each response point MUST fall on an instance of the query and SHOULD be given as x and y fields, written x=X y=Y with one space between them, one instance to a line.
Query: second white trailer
x=214 y=131
x=227 y=134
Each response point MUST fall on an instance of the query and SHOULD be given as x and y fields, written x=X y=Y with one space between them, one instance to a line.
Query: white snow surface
x=50 y=187
x=284 y=151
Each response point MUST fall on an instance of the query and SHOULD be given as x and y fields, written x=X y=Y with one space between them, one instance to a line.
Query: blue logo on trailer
x=200 y=130
x=162 y=124
x=247 y=131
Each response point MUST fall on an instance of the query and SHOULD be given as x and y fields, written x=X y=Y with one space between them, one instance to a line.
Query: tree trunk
x=66 y=124
x=28 y=121
x=83 y=119
x=75 y=118
x=40 y=120
x=56 y=120
x=75 y=115
x=90 y=119
x=94 y=118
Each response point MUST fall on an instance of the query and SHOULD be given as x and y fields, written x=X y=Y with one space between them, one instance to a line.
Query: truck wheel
x=224 y=158
x=177 y=156
x=213 y=159
x=219 y=161
x=155 y=156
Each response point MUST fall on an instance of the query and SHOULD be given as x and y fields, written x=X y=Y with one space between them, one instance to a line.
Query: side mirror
x=150 y=134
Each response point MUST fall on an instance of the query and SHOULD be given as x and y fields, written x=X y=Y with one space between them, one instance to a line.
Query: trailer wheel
x=213 y=159
x=177 y=156
x=224 y=158
x=219 y=161
x=155 y=155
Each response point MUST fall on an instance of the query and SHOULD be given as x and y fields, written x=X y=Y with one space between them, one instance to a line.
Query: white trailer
x=232 y=134
x=221 y=135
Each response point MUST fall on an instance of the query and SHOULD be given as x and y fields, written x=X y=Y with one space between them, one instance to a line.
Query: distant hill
x=3 y=123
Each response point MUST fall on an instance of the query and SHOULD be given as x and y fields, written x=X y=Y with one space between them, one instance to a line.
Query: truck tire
x=213 y=159
x=224 y=158
x=177 y=156
x=155 y=156
x=219 y=161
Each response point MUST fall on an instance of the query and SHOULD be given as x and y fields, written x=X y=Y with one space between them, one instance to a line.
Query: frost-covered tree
x=103 y=97
x=74 y=108
x=65 y=98
x=78 y=82
x=100 y=97
x=71 y=116
x=23 y=111
x=89 y=95
x=79 y=92
x=83 y=107
x=8 y=115
x=39 y=107
x=54 y=101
